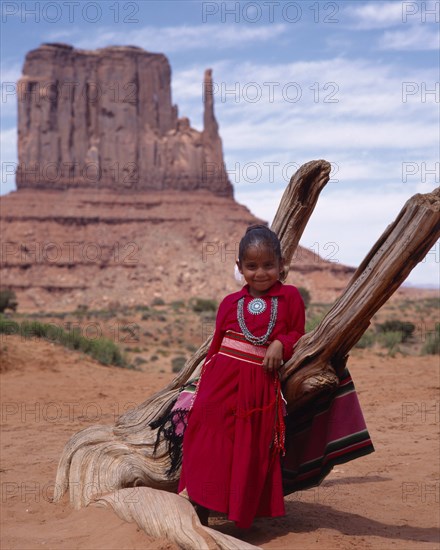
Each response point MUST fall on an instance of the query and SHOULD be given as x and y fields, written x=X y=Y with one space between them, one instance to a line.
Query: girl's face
x=261 y=269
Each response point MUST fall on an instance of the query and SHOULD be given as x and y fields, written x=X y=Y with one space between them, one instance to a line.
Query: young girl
x=231 y=419
x=235 y=432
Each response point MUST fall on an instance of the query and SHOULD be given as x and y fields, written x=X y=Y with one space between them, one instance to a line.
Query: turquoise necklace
x=257 y=306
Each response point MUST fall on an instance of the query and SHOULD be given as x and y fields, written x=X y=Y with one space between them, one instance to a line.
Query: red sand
x=387 y=500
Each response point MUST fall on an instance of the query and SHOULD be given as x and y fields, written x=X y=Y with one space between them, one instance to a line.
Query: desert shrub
x=177 y=363
x=102 y=349
x=390 y=340
x=202 y=305
x=366 y=340
x=177 y=305
x=81 y=309
x=208 y=316
x=59 y=315
x=106 y=352
x=313 y=322
x=8 y=300
x=432 y=303
x=73 y=340
x=49 y=331
x=404 y=328
x=132 y=329
x=141 y=307
x=432 y=344
x=154 y=315
x=136 y=349
x=305 y=295
x=158 y=301
x=9 y=327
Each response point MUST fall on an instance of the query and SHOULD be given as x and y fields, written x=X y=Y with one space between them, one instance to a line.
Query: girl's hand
x=274 y=356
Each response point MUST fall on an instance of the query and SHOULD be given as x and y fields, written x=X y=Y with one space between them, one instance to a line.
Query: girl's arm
x=281 y=349
x=219 y=330
x=296 y=328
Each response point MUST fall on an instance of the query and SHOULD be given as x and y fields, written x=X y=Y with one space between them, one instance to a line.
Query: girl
x=235 y=432
x=231 y=420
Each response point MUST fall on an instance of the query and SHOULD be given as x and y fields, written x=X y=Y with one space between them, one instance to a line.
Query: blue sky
x=354 y=82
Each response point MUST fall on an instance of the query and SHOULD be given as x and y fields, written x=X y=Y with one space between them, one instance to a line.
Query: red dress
x=229 y=461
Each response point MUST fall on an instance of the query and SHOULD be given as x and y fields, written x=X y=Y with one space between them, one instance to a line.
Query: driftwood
x=101 y=460
x=162 y=514
x=400 y=248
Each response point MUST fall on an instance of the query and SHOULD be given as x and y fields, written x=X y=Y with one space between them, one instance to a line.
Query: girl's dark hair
x=257 y=235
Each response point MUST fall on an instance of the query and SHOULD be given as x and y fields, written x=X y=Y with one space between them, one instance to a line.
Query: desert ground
x=386 y=500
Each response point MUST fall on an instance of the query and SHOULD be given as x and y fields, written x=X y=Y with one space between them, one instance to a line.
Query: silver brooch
x=256 y=306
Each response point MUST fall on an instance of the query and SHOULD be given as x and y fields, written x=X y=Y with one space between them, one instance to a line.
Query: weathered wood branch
x=297 y=205
x=400 y=248
x=162 y=514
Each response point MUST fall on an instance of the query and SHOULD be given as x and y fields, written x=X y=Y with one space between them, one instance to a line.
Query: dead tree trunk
x=104 y=459
x=401 y=247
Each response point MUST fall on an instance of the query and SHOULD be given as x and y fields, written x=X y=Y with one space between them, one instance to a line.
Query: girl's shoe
x=203 y=514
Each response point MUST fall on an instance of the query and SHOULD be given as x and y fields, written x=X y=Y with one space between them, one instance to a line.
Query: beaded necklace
x=257 y=340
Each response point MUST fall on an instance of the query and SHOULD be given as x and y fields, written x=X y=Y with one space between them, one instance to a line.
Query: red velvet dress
x=229 y=462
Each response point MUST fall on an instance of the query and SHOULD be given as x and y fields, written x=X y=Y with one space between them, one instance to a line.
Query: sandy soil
x=387 y=500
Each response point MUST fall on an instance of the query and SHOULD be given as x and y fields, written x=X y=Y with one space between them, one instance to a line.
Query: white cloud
x=8 y=159
x=345 y=224
x=379 y=15
x=314 y=135
x=369 y=132
x=331 y=88
x=375 y=15
x=8 y=141
x=178 y=38
x=10 y=74
x=417 y=22
x=360 y=170
x=10 y=71
x=62 y=35
x=412 y=38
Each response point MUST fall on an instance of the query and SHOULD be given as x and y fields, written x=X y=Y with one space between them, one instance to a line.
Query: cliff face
x=105 y=119
x=61 y=249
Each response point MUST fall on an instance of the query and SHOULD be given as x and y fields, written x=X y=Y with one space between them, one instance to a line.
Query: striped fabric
x=183 y=403
x=328 y=432
x=235 y=345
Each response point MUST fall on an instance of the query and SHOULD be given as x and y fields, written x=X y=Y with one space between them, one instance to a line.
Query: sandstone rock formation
x=105 y=119
x=64 y=248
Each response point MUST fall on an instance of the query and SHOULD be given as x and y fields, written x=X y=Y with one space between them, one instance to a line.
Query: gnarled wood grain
x=400 y=248
x=162 y=514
